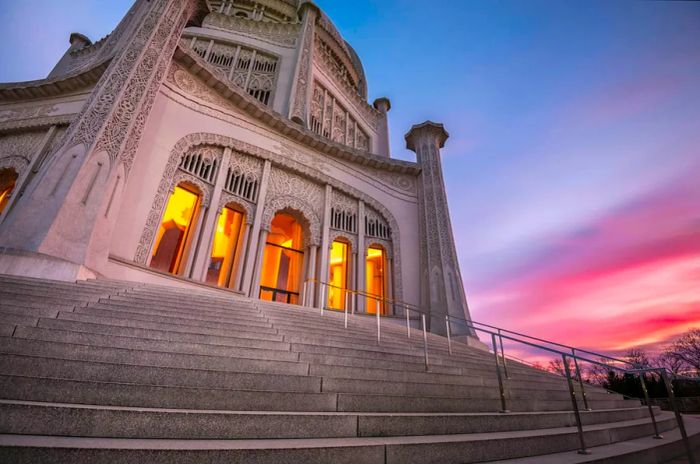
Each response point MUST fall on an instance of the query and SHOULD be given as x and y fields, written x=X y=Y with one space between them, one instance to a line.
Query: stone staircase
x=109 y=371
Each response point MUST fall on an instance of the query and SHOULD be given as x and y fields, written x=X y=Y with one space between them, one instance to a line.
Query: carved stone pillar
x=246 y=286
x=300 y=94
x=325 y=246
x=361 y=258
x=311 y=275
x=257 y=270
x=240 y=257
x=442 y=290
x=201 y=263
x=62 y=213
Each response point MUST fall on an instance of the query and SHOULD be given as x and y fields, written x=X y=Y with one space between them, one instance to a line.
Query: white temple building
x=225 y=143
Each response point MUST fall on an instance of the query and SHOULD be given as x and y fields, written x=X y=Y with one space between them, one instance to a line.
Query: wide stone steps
x=442 y=449
x=110 y=371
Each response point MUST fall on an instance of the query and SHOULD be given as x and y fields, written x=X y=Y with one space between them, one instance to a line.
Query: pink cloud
x=629 y=278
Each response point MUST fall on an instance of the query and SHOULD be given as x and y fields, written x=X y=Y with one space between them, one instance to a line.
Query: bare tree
x=685 y=351
x=556 y=366
x=672 y=363
x=638 y=357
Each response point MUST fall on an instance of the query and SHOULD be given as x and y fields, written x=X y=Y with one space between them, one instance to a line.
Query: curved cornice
x=44 y=88
x=220 y=83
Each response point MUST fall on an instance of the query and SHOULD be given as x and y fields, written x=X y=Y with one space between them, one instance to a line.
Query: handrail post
x=574 y=403
x=425 y=342
x=501 y=389
x=324 y=295
x=408 y=322
x=449 y=340
x=676 y=412
x=580 y=381
x=651 y=409
x=347 y=294
x=379 y=324
x=503 y=355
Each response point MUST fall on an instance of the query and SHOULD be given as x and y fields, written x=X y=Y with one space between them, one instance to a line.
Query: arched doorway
x=338 y=274
x=375 y=276
x=175 y=230
x=225 y=248
x=282 y=260
x=8 y=180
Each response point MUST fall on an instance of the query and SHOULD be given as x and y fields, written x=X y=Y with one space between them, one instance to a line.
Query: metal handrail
x=497 y=335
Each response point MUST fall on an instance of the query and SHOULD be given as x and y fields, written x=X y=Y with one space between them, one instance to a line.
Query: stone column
x=311 y=274
x=62 y=212
x=383 y=105
x=209 y=226
x=361 y=257
x=300 y=94
x=240 y=257
x=262 y=240
x=442 y=290
x=193 y=241
x=255 y=231
x=353 y=281
x=325 y=246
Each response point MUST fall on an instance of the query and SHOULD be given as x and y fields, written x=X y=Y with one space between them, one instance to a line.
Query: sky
x=573 y=166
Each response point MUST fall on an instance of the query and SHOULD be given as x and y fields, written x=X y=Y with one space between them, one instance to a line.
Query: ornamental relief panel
x=343 y=202
x=285 y=183
x=27 y=112
x=228 y=199
x=301 y=209
x=249 y=166
x=343 y=236
x=284 y=35
x=187 y=178
x=17 y=163
x=23 y=145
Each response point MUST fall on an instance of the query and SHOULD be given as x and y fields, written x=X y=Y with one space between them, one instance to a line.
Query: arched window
x=225 y=251
x=375 y=274
x=338 y=274
x=282 y=261
x=8 y=179
x=175 y=230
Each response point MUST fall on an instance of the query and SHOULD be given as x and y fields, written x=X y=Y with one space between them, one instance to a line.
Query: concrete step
x=244 y=332
x=143 y=315
x=197 y=315
x=113 y=341
x=443 y=449
x=34 y=311
x=36 y=366
x=147 y=358
x=122 y=422
x=269 y=341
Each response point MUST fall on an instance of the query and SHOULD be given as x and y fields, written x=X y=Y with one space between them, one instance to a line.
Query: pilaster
x=62 y=213
x=325 y=244
x=300 y=94
x=254 y=235
x=442 y=291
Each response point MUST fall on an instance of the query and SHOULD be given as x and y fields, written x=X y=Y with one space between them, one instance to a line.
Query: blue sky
x=563 y=117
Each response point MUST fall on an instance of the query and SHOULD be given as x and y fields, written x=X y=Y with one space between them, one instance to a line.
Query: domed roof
x=325 y=22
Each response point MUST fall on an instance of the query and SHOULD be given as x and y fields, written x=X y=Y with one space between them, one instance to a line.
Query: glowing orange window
x=174 y=231
x=8 y=179
x=375 y=284
x=282 y=261
x=338 y=275
x=224 y=248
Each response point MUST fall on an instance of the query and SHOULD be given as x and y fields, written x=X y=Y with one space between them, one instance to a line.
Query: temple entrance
x=8 y=179
x=225 y=248
x=338 y=275
x=375 y=280
x=282 y=261
x=175 y=230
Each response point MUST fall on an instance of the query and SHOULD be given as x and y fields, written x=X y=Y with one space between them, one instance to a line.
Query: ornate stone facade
x=261 y=110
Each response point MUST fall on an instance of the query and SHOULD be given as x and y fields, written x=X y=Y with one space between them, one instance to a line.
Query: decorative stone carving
x=230 y=199
x=303 y=75
x=27 y=112
x=285 y=183
x=186 y=177
x=282 y=34
x=350 y=238
x=246 y=165
x=341 y=201
x=117 y=109
x=17 y=163
x=302 y=210
x=385 y=244
x=23 y=144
